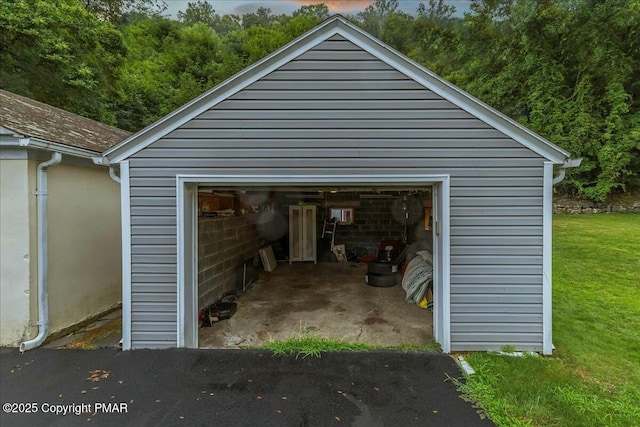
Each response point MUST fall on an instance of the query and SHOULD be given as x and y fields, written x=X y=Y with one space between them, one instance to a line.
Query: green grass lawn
x=593 y=378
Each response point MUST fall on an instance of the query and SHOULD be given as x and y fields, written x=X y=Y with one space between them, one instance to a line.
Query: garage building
x=336 y=113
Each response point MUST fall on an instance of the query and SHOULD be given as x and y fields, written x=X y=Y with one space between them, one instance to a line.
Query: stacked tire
x=380 y=274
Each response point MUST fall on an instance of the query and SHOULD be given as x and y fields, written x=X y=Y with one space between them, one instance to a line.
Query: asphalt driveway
x=230 y=388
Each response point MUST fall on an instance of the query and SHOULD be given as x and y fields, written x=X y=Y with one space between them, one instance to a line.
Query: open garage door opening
x=354 y=264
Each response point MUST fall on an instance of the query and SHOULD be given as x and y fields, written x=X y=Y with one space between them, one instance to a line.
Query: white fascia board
x=219 y=93
x=11 y=141
x=63 y=149
x=302 y=180
x=547 y=242
x=457 y=96
x=11 y=138
x=29 y=142
x=10 y=133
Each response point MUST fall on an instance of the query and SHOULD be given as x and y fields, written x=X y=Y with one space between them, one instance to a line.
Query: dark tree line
x=567 y=69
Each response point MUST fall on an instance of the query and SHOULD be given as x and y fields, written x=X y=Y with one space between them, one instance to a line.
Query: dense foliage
x=567 y=69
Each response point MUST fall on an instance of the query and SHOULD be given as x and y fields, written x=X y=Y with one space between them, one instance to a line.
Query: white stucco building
x=81 y=236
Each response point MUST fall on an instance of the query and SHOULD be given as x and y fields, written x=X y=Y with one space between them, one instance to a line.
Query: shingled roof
x=35 y=119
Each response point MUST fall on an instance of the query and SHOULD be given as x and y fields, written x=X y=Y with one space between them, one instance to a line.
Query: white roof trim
x=7 y=131
x=17 y=140
x=335 y=25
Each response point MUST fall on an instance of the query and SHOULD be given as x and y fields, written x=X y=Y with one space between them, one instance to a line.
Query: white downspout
x=558 y=178
x=112 y=174
x=43 y=264
x=561 y=172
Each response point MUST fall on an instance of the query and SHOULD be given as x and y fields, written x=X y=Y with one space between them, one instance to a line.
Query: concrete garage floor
x=325 y=300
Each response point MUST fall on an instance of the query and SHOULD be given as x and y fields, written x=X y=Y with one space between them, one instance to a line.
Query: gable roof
x=32 y=119
x=336 y=25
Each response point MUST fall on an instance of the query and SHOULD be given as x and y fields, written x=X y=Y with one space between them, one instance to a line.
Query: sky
x=240 y=7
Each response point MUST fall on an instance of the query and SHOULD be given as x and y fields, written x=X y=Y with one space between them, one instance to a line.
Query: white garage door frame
x=187 y=208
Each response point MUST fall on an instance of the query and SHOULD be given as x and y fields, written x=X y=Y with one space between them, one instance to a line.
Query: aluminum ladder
x=329 y=228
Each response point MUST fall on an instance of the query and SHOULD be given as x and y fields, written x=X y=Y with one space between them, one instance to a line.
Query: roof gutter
x=55 y=147
x=101 y=161
x=562 y=170
x=43 y=255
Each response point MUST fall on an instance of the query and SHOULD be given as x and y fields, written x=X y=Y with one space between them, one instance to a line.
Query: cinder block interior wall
x=373 y=222
x=224 y=245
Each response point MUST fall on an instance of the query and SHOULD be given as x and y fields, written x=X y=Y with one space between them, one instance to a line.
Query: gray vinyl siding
x=338 y=110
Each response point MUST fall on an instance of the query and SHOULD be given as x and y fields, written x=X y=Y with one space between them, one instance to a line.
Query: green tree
x=372 y=18
x=436 y=37
x=317 y=11
x=168 y=65
x=200 y=11
x=261 y=41
x=437 y=11
x=56 y=52
x=116 y=10
x=305 y=18
x=227 y=23
x=567 y=70
x=397 y=31
x=263 y=17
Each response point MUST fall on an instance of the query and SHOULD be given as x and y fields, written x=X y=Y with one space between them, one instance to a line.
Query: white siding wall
x=338 y=110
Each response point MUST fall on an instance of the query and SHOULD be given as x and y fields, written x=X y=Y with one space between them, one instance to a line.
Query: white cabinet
x=302 y=233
